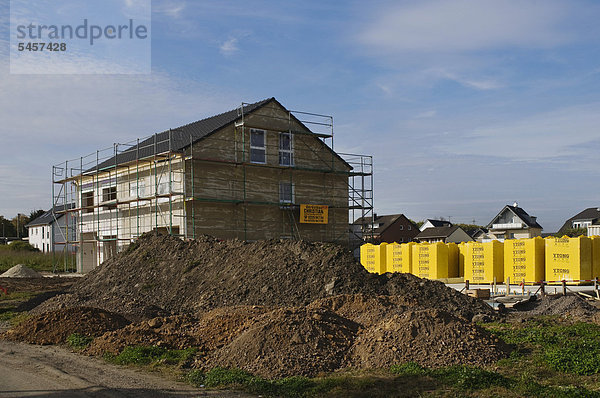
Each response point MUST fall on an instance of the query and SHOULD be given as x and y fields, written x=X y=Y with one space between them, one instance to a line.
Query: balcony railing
x=512 y=225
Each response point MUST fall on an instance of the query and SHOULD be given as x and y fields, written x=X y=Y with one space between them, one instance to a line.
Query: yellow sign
x=314 y=214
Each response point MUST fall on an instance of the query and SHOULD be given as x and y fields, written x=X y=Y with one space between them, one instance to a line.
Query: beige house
x=256 y=172
x=513 y=223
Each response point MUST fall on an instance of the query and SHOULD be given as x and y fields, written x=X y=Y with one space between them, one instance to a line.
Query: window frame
x=262 y=148
x=282 y=200
x=289 y=151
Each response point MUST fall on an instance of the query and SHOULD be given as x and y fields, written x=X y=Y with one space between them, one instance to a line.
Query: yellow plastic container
x=568 y=259
x=399 y=257
x=524 y=260
x=430 y=260
x=373 y=257
x=595 y=256
x=484 y=261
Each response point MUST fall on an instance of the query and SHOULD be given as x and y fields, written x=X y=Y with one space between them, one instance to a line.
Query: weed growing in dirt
x=143 y=355
x=408 y=369
x=79 y=341
x=573 y=348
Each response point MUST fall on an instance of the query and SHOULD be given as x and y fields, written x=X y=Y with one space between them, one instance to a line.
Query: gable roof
x=186 y=135
x=439 y=223
x=530 y=221
x=384 y=222
x=589 y=214
x=47 y=218
x=437 y=232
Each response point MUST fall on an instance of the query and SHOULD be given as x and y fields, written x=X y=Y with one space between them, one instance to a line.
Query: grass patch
x=150 y=355
x=570 y=348
x=35 y=260
x=79 y=341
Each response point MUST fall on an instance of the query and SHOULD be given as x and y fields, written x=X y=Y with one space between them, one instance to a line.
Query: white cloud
x=543 y=136
x=426 y=114
x=466 y=25
x=229 y=47
x=173 y=9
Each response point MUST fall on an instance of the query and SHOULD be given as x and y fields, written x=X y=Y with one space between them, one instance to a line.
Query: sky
x=465 y=105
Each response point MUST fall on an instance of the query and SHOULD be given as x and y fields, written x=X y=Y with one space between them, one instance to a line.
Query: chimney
x=516 y=204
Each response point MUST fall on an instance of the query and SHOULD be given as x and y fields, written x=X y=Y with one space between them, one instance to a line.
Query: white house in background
x=49 y=229
x=513 y=223
x=429 y=223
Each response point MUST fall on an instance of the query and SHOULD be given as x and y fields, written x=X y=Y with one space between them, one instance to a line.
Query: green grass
x=79 y=341
x=35 y=260
x=569 y=348
x=150 y=355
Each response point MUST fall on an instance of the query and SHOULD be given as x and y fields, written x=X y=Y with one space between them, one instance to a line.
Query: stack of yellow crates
x=373 y=257
x=568 y=259
x=434 y=260
x=524 y=260
x=399 y=257
x=484 y=261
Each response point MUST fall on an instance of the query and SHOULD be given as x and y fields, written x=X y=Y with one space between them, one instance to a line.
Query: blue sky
x=465 y=105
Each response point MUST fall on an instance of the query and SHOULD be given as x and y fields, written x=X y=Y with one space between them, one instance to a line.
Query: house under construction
x=257 y=172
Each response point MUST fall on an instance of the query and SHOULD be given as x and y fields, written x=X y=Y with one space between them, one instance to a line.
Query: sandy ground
x=50 y=371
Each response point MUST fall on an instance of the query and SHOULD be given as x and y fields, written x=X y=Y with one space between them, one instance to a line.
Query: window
x=87 y=199
x=109 y=194
x=409 y=227
x=286 y=149
x=258 y=151
x=401 y=227
x=137 y=188
x=286 y=192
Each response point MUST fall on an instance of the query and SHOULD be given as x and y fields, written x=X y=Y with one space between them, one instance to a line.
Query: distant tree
x=33 y=214
x=7 y=229
x=417 y=223
x=469 y=228
x=572 y=232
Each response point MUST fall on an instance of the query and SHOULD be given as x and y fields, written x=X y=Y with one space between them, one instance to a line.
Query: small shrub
x=79 y=341
x=146 y=355
x=220 y=377
x=22 y=246
x=408 y=369
x=470 y=378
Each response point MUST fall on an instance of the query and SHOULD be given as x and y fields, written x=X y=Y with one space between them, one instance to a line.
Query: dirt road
x=50 y=371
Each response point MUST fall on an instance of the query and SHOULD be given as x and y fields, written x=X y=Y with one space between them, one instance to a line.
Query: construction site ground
x=256 y=316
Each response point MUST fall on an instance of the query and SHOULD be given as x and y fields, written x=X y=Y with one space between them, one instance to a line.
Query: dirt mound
x=21 y=271
x=287 y=342
x=54 y=327
x=162 y=275
x=362 y=309
x=428 y=337
x=207 y=332
x=570 y=306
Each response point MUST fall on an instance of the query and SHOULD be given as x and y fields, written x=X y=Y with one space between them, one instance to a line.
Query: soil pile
x=161 y=275
x=207 y=332
x=571 y=306
x=290 y=341
x=21 y=271
x=428 y=337
x=54 y=327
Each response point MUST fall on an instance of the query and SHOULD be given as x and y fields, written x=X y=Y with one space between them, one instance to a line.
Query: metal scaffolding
x=112 y=196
